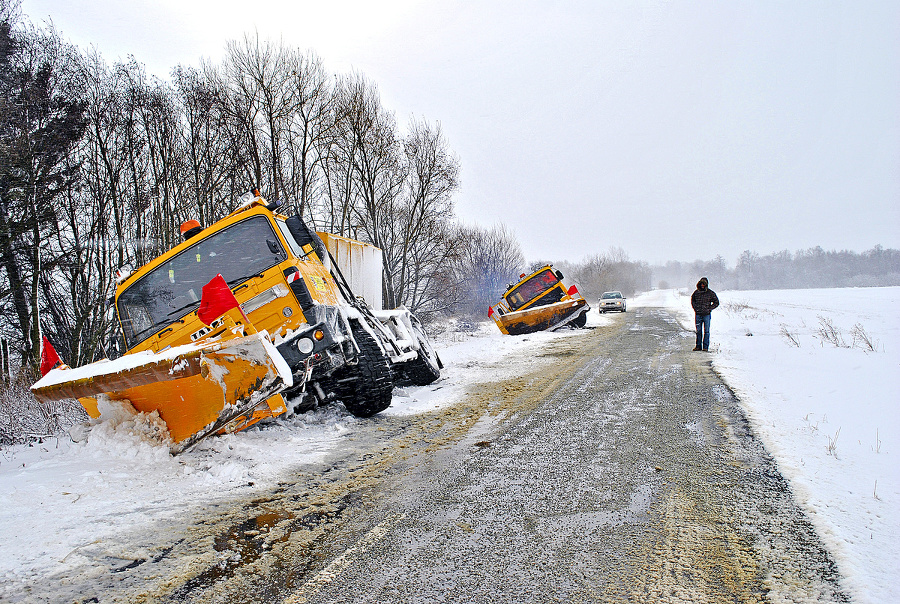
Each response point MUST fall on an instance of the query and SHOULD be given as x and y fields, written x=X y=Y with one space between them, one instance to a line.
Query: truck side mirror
x=303 y=235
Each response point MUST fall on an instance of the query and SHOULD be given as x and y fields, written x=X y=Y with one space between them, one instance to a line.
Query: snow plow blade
x=198 y=389
x=541 y=318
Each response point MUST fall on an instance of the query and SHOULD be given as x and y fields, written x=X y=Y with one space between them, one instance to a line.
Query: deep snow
x=828 y=415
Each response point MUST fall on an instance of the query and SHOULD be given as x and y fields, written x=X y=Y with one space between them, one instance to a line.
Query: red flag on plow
x=49 y=358
x=216 y=300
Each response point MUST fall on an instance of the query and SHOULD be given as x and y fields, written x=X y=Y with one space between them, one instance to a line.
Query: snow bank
x=825 y=403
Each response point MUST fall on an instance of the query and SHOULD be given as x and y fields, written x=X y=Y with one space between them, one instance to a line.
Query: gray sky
x=674 y=130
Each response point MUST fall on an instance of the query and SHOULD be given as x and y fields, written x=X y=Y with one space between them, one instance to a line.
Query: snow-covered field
x=827 y=413
x=827 y=407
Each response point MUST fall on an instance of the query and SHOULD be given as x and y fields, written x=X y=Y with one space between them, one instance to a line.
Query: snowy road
x=615 y=467
x=625 y=472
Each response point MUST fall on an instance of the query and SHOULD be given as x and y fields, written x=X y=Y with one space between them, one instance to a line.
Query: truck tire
x=301 y=401
x=426 y=367
x=580 y=320
x=365 y=388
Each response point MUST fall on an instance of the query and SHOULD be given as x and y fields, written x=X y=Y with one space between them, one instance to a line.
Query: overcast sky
x=674 y=130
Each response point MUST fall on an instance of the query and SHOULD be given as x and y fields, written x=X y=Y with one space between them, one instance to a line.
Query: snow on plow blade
x=198 y=389
x=541 y=318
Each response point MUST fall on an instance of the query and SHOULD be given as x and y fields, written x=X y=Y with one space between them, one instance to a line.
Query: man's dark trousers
x=702 y=322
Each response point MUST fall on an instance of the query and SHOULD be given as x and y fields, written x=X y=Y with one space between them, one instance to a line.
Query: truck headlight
x=260 y=300
x=305 y=345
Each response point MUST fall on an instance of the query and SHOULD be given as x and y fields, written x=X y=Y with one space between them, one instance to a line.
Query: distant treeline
x=812 y=268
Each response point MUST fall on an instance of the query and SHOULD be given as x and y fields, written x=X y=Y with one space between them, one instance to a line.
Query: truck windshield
x=173 y=289
x=531 y=289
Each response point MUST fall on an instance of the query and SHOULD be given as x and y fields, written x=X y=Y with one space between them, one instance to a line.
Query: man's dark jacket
x=704 y=300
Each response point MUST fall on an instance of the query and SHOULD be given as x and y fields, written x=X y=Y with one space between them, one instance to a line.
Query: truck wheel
x=580 y=320
x=365 y=388
x=426 y=367
x=298 y=399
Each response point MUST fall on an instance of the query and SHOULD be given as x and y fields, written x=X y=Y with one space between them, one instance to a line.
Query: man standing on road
x=704 y=300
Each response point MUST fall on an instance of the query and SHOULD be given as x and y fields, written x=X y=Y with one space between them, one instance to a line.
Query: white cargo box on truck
x=361 y=265
x=413 y=358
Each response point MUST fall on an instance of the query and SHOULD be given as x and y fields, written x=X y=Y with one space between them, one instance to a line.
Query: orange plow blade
x=197 y=389
x=540 y=318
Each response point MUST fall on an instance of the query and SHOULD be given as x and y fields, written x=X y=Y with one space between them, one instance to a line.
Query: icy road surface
x=624 y=472
x=603 y=465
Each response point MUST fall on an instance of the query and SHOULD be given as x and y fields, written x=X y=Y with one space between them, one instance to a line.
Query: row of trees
x=812 y=268
x=804 y=269
x=99 y=165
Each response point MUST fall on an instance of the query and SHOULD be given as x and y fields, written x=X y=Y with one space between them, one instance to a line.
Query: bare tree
x=310 y=130
x=40 y=122
x=76 y=295
x=333 y=211
x=377 y=172
x=209 y=160
x=609 y=271
x=487 y=261
x=260 y=84
x=423 y=236
x=104 y=167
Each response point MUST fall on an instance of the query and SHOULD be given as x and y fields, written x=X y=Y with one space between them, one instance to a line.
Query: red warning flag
x=49 y=358
x=216 y=300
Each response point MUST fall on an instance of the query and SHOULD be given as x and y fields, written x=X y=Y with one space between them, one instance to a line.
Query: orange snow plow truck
x=540 y=301
x=246 y=317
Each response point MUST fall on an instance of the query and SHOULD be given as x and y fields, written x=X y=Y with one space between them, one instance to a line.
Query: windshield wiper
x=185 y=307
x=240 y=279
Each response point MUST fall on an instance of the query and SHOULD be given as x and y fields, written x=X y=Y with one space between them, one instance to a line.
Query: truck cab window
x=173 y=289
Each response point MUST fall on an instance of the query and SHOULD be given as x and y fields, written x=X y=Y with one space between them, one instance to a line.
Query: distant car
x=611 y=301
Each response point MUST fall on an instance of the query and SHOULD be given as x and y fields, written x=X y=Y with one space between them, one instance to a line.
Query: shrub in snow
x=790 y=336
x=827 y=332
x=24 y=419
x=863 y=340
x=736 y=307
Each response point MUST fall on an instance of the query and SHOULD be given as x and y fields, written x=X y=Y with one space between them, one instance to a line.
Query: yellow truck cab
x=271 y=275
x=291 y=328
x=539 y=301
